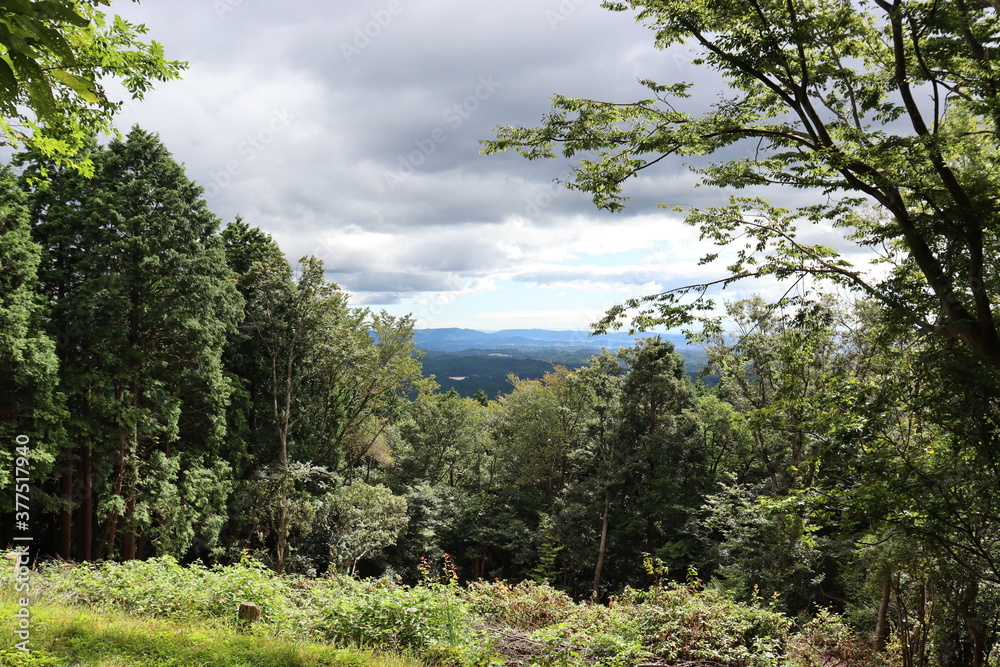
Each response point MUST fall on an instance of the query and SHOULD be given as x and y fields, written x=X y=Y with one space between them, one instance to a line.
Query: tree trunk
x=279 y=560
x=248 y=612
x=111 y=532
x=881 y=626
x=973 y=624
x=66 y=520
x=128 y=538
x=604 y=543
x=86 y=508
x=279 y=564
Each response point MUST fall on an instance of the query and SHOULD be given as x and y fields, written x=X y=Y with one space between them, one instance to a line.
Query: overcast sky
x=351 y=131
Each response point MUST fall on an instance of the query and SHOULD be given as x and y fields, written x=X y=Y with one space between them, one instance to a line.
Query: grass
x=68 y=636
x=160 y=613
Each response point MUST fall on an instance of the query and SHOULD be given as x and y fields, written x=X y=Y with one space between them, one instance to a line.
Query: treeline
x=188 y=393
x=179 y=384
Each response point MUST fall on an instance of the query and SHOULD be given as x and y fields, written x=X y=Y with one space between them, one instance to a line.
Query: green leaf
x=8 y=80
x=83 y=87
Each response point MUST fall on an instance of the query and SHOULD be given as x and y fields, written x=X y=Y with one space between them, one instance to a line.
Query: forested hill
x=470 y=361
x=462 y=339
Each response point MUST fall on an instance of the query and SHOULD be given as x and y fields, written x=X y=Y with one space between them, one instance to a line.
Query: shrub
x=431 y=621
x=162 y=588
x=524 y=606
x=827 y=640
x=686 y=622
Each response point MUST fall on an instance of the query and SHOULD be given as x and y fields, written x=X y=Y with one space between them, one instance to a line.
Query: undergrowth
x=68 y=636
x=438 y=622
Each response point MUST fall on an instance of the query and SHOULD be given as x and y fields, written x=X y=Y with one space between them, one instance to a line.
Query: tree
x=443 y=442
x=264 y=279
x=141 y=300
x=293 y=324
x=30 y=404
x=867 y=483
x=365 y=519
x=786 y=374
x=55 y=57
x=888 y=102
x=662 y=471
x=330 y=376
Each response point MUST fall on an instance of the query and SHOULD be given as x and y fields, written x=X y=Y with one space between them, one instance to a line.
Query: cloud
x=351 y=131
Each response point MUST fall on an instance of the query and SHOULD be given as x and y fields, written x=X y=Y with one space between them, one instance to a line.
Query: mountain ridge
x=468 y=360
x=456 y=339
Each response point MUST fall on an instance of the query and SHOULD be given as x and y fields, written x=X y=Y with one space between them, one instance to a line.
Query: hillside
x=454 y=339
x=468 y=361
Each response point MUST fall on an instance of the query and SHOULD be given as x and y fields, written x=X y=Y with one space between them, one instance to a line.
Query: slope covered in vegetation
x=110 y=611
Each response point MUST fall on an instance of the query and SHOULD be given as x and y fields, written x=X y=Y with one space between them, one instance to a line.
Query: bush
x=686 y=622
x=441 y=623
x=431 y=621
x=162 y=588
x=524 y=606
x=826 y=640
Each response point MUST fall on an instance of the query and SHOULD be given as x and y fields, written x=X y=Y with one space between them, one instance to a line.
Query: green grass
x=68 y=636
x=158 y=613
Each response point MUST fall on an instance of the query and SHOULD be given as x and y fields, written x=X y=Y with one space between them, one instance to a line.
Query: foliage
x=30 y=404
x=685 y=621
x=364 y=519
x=827 y=639
x=821 y=96
x=321 y=379
x=429 y=620
x=671 y=622
x=57 y=56
x=140 y=298
x=523 y=606
x=163 y=588
x=437 y=621
x=62 y=636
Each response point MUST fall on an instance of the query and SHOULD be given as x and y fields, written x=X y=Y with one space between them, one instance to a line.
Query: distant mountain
x=468 y=360
x=463 y=339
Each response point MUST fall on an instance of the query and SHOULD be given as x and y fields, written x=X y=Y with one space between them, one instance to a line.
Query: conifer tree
x=30 y=406
x=141 y=298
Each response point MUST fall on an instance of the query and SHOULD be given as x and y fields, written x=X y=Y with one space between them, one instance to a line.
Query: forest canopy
x=886 y=110
x=193 y=395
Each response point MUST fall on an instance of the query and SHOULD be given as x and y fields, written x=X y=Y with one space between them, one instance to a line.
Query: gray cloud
x=351 y=132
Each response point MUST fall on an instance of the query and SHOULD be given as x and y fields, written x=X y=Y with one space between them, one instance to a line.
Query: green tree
x=606 y=423
x=30 y=404
x=445 y=463
x=864 y=485
x=783 y=372
x=444 y=441
x=364 y=519
x=293 y=325
x=535 y=430
x=664 y=467
x=924 y=479
x=141 y=300
x=537 y=427
x=264 y=279
x=56 y=56
x=886 y=101
x=332 y=379
x=371 y=367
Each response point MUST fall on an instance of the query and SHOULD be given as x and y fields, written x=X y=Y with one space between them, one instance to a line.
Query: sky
x=351 y=132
